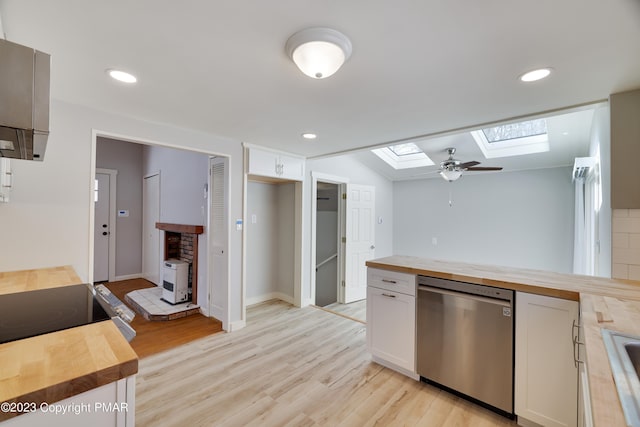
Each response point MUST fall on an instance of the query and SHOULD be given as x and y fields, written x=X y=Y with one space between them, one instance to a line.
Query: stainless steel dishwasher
x=465 y=340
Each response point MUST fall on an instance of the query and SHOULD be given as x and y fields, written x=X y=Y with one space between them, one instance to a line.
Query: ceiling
x=569 y=136
x=418 y=67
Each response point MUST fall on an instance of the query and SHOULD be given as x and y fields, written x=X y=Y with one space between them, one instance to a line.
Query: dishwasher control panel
x=469 y=288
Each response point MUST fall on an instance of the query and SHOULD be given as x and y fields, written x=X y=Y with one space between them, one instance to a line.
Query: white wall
x=48 y=220
x=518 y=219
x=183 y=176
x=352 y=169
x=126 y=158
x=286 y=239
x=270 y=241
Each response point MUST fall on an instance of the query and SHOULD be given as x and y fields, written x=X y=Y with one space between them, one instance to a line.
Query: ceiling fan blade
x=426 y=173
x=468 y=165
x=485 y=169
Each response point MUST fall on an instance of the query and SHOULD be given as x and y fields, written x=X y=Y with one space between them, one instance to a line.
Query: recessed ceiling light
x=122 y=76
x=309 y=135
x=535 y=75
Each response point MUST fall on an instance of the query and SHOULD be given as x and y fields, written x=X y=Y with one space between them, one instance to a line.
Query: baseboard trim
x=128 y=277
x=238 y=324
x=268 y=297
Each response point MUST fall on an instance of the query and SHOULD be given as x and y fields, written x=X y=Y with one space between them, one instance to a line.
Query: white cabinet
x=274 y=164
x=546 y=378
x=391 y=320
x=5 y=179
x=585 y=415
x=111 y=405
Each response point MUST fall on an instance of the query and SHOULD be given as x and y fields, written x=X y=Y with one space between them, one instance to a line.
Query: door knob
x=372 y=247
x=104 y=233
x=104 y=225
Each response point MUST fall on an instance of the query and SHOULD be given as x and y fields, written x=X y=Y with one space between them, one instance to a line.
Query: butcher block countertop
x=58 y=365
x=604 y=303
x=33 y=280
x=610 y=313
x=566 y=286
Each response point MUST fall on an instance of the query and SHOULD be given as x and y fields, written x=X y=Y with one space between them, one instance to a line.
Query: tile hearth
x=148 y=303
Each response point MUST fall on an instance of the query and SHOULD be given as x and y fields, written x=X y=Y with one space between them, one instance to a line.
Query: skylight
x=405 y=149
x=403 y=156
x=513 y=139
x=516 y=130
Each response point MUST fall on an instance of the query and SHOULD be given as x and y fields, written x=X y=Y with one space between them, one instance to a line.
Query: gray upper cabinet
x=625 y=150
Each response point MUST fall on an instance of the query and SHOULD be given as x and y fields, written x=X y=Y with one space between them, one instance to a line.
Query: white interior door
x=218 y=238
x=101 y=228
x=151 y=255
x=360 y=239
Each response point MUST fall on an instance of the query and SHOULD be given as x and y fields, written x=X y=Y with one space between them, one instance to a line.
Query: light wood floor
x=355 y=310
x=290 y=367
x=156 y=336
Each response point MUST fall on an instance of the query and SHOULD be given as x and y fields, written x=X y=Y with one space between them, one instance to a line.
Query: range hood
x=24 y=101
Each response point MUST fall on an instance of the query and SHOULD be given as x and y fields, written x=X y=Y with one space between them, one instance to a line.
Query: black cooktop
x=27 y=314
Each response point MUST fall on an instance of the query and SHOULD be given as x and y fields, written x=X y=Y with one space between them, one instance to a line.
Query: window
x=403 y=156
x=513 y=139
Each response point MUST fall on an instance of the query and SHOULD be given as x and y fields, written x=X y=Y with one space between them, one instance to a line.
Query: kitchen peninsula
x=80 y=367
x=603 y=303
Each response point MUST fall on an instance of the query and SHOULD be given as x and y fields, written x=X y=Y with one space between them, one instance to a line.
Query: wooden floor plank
x=290 y=367
x=157 y=336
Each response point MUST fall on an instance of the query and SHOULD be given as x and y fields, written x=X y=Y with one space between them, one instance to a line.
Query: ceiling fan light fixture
x=318 y=52
x=450 y=174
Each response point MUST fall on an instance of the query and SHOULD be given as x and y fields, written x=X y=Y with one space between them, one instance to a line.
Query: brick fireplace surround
x=181 y=242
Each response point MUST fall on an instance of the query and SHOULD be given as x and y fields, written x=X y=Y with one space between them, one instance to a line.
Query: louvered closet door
x=218 y=239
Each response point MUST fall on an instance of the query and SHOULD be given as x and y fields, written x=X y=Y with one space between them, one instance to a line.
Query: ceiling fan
x=451 y=169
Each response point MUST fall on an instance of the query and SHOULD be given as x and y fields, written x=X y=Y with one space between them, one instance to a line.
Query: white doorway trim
x=113 y=176
x=154 y=277
x=341 y=181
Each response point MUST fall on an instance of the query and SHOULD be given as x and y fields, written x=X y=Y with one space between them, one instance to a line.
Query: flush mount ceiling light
x=318 y=52
x=122 y=76
x=535 y=75
x=309 y=135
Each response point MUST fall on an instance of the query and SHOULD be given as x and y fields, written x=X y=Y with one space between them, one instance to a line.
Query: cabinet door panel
x=262 y=162
x=5 y=179
x=291 y=167
x=391 y=327
x=546 y=378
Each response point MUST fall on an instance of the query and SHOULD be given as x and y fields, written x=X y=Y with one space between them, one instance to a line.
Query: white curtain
x=586 y=242
x=579 y=247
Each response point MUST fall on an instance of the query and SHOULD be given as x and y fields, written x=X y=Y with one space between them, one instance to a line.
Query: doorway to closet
x=327 y=244
x=343 y=236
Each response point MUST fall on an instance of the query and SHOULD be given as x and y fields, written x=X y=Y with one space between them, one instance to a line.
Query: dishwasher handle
x=479 y=298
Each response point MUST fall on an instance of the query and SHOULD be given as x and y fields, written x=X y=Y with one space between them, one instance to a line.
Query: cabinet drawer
x=392 y=281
